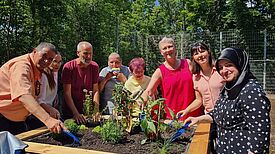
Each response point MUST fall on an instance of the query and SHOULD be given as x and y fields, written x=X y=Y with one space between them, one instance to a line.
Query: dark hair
x=136 y=63
x=49 y=73
x=194 y=48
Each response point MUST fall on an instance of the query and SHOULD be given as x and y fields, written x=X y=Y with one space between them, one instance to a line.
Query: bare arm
x=196 y=120
x=69 y=101
x=193 y=106
x=189 y=64
x=96 y=96
x=153 y=85
x=51 y=110
x=33 y=107
x=104 y=81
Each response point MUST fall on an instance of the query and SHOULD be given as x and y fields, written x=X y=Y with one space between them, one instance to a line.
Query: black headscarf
x=240 y=59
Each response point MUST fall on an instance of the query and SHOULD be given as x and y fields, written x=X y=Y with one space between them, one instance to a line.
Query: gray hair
x=116 y=55
x=46 y=45
x=80 y=44
x=167 y=40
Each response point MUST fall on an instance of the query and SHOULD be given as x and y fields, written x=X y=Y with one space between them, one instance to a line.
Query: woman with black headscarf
x=242 y=111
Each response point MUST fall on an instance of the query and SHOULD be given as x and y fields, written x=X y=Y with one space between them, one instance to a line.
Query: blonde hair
x=167 y=40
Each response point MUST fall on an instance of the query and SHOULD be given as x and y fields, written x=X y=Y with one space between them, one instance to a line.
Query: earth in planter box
x=91 y=139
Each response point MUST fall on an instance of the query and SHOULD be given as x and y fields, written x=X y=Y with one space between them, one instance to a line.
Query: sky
x=157 y=2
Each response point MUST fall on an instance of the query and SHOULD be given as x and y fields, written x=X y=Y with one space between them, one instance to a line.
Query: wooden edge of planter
x=199 y=143
x=200 y=140
x=32 y=133
x=54 y=149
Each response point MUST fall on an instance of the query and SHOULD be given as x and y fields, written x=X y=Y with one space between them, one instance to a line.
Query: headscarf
x=240 y=59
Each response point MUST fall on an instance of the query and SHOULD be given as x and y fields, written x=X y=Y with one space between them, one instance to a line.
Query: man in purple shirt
x=77 y=75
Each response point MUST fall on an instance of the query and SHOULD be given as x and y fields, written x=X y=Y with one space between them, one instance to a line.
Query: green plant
x=124 y=105
x=88 y=105
x=151 y=124
x=71 y=125
x=111 y=132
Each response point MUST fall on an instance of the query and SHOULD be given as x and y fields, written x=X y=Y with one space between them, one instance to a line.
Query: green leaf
x=143 y=141
x=151 y=127
x=171 y=113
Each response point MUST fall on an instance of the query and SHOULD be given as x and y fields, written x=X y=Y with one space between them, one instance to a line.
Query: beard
x=85 y=61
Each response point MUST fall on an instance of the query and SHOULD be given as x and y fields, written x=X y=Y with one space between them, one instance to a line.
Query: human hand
x=97 y=117
x=108 y=76
x=121 y=77
x=249 y=152
x=54 y=113
x=79 y=118
x=181 y=114
x=55 y=125
x=194 y=120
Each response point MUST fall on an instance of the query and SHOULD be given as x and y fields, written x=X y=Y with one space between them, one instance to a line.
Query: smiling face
x=138 y=73
x=43 y=58
x=56 y=63
x=228 y=70
x=168 y=50
x=201 y=56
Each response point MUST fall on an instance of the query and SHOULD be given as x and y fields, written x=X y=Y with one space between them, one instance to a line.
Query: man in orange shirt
x=19 y=87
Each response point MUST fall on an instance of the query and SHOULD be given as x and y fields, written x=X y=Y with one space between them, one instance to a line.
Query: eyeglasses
x=37 y=87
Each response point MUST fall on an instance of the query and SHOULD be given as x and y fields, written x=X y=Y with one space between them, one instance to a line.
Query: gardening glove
x=10 y=144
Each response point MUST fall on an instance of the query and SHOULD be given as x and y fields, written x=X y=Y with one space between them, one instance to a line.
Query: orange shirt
x=209 y=88
x=17 y=77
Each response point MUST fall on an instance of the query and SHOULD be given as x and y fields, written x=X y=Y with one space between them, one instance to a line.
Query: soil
x=131 y=144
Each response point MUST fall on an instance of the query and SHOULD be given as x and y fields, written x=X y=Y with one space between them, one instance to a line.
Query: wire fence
x=260 y=46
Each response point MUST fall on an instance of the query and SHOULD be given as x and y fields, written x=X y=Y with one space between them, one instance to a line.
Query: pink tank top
x=177 y=89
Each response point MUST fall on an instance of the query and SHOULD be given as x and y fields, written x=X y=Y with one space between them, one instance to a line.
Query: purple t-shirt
x=79 y=78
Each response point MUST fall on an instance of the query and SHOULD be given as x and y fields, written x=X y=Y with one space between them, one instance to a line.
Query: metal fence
x=260 y=45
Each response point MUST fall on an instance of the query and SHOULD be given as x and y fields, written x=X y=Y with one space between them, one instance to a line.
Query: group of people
x=226 y=90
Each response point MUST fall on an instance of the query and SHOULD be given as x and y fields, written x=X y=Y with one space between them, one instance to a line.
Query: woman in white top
x=48 y=92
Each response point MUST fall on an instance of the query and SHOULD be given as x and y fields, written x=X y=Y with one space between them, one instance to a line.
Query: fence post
x=181 y=45
x=220 y=41
x=264 y=73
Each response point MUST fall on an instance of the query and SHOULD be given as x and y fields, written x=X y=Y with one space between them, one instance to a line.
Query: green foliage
x=71 y=125
x=154 y=110
x=124 y=105
x=97 y=129
x=82 y=127
x=88 y=105
x=111 y=132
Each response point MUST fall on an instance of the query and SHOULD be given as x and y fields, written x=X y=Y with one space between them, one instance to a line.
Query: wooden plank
x=200 y=140
x=54 y=149
x=32 y=133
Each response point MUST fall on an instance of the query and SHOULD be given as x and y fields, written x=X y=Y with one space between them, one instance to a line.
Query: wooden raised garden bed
x=199 y=143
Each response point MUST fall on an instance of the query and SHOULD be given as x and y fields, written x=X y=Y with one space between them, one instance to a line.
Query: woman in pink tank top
x=175 y=78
